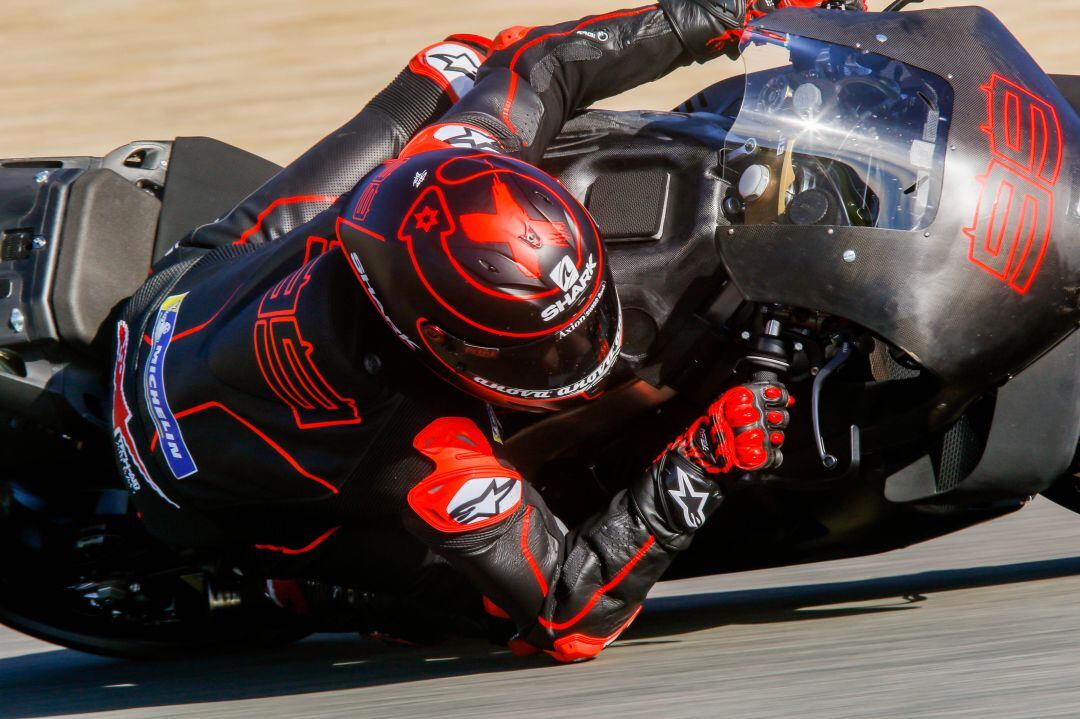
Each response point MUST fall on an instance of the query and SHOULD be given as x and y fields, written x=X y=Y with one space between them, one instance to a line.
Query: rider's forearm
x=536 y=79
x=573 y=594
x=610 y=563
x=421 y=92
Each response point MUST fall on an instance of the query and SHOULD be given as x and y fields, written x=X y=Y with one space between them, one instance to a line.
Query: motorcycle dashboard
x=835 y=135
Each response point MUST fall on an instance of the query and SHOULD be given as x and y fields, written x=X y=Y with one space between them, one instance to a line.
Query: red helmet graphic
x=491 y=270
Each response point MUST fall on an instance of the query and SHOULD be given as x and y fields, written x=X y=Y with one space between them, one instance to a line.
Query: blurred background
x=273 y=76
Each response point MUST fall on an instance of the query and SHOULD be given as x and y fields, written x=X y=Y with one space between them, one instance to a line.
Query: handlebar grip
x=765 y=376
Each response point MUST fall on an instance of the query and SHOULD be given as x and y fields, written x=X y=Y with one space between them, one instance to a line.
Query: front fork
x=770 y=359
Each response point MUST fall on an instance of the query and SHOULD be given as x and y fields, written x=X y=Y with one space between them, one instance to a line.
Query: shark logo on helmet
x=574 y=289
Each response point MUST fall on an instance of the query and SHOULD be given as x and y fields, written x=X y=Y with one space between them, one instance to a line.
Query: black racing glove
x=740 y=432
x=708 y=28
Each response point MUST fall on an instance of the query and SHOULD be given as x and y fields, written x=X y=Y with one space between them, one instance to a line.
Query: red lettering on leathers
x=285 y=357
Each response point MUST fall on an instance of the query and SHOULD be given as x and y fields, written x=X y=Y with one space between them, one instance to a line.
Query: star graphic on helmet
x=691 y=501
x=426 y=219
x=462 y=63
x=512 y=226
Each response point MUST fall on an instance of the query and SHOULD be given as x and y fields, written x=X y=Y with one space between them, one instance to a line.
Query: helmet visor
x=569 y=362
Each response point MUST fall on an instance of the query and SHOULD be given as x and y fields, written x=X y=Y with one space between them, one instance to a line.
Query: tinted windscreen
x=832 y=135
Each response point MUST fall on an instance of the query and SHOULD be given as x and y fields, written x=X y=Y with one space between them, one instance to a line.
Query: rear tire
x=128 y=647
x=79 y=570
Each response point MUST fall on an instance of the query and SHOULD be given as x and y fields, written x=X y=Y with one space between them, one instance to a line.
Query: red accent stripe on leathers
x=559 y=626
x=517 y=55
x=277 y=203
x=528 y=553
x=263 y=436
x=202 y=326
x=307 y=548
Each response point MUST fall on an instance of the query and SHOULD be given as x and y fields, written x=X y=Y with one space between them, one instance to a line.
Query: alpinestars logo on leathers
x=480 y=499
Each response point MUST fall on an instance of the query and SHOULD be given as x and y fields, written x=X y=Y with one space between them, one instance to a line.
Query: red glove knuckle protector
x=742 y=430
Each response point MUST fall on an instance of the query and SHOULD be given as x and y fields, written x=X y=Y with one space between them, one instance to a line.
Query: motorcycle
x=883 y=210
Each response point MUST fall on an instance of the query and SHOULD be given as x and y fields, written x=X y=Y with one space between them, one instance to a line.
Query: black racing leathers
x=536 y=79
x=262 y=407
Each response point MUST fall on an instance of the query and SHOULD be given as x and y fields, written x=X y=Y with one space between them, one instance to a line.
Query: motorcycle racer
x=272 y=393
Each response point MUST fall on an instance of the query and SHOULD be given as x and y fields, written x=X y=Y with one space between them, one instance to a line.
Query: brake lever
x=815 y=400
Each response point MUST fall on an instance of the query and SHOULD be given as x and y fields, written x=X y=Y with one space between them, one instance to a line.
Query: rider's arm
x=434 y=79
x=572 y=593
x=538 y=78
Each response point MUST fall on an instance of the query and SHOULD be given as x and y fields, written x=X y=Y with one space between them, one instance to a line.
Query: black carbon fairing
x=649 y=180
x=993 y=281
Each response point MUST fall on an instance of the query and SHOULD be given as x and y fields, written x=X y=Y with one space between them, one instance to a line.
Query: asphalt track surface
x=984 y=623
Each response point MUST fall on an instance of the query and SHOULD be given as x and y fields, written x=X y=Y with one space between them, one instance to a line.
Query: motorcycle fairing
x=1032 y=441
x=971 y=313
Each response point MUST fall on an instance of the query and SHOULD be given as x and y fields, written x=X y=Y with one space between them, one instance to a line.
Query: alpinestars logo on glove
x=570 y=282
x=452 y=65
x=691 y=501
x=480 y=499
x=463 y=64
x=466 y=137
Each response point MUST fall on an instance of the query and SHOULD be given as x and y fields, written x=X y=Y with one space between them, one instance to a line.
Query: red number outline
x=1027 y=153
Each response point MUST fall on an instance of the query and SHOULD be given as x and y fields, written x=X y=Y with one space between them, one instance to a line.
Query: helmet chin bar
x=582 y=387
x=587 y=387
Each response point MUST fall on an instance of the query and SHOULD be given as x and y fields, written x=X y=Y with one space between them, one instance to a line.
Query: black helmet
x=491 y=270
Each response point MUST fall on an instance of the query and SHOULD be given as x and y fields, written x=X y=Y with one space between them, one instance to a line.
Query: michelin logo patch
x=173 y=447
x=131 y=464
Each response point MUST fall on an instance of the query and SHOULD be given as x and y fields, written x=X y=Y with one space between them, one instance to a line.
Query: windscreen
x=832 y=135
